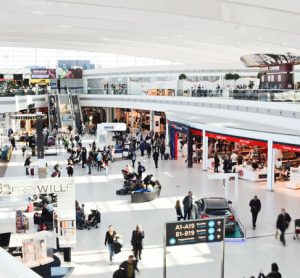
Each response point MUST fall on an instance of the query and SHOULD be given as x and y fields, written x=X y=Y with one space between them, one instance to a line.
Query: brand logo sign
x=38 y=186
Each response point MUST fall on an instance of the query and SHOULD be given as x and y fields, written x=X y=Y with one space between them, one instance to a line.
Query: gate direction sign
x=195 y=231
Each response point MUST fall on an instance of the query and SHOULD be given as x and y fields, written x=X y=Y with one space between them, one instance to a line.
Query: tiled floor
x=242 y=259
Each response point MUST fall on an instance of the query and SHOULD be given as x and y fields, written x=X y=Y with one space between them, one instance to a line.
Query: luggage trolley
x=297 y=228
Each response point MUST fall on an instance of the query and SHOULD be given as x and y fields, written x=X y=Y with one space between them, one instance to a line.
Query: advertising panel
x=64 y=73
x=43 y=73
x=263 y=60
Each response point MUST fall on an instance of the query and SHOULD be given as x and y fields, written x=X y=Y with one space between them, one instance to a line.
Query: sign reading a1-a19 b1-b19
x=195 y=231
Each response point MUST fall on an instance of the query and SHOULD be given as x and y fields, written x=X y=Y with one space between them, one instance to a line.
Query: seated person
x=254 y=164
x=47 y=215
x=147 y=179
x=79 y=217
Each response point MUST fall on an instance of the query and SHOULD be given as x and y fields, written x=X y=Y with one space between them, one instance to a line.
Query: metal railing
x=271 y=95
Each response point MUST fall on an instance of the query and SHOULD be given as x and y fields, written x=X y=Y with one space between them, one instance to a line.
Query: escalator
x=76 y=110
x=65 y=111
x=53 y=112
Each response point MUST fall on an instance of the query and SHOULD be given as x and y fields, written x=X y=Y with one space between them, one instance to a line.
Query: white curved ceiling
x=191 y=31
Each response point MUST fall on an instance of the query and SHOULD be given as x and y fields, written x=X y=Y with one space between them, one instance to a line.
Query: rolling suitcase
x=32 y=171
x=167 y=156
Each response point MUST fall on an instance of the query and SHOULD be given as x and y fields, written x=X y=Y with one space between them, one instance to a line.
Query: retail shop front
x=180 y=138
x=37 y=217
x=287 y=164
x=247 y=157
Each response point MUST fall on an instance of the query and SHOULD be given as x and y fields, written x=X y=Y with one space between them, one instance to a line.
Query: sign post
x=194 y=232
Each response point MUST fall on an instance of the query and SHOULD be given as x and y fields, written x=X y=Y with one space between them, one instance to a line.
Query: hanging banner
x=286 y=147
x=240 y=140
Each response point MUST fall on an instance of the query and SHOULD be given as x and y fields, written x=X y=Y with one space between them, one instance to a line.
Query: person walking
x=155 y=158
x=83 y=157
x=129 y=267
x=13 y=142
x=187 y=206
x=273 y=274
x=255 y=206
x=70 y=168
x=57 y=169
x=137 y=242
x=149 y=150
x=133 y=159
x=217 y=163
x=90 y=162
x=110 y=238
x=27 y=164
x=283 y=222
x=162 y=151
x=141 y=169
x=178 y=210
x=23 y=150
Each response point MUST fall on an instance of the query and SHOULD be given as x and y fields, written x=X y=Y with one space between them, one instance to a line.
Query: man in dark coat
x=282 y=224
x=137 y=242
x=83 y=157
x=155 y=158
x=255 y=206
x=162 y=151
x=129 y=267
x=141 y=169
x=187 y=205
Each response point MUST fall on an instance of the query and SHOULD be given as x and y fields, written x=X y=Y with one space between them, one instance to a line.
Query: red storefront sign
x=292 y=148
x=196 y=132
x=240 y=140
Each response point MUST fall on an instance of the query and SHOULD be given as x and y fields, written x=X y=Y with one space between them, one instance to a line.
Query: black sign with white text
x=195 y=231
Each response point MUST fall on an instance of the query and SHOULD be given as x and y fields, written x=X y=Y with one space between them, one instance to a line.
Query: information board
x=195 y=231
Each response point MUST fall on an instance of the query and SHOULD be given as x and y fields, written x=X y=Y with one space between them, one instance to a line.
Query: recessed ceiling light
x=177 y=36
x=37 y=12
x=231 y=124
x=64 y=26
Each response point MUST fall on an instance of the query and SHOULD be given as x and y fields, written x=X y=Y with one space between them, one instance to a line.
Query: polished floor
x=242 y=259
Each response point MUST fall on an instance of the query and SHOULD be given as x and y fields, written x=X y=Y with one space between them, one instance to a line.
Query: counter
x=247 y=173
x=294 y=182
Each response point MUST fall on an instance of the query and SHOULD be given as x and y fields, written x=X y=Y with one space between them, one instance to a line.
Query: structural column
x=132 y=119
x=270 y=167
x=167 y=137
x=152 y=120
x=204 y=150
x=108 y=114
x=189 y=148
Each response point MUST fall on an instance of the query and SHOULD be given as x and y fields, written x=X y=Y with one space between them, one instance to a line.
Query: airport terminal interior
x=152 y=139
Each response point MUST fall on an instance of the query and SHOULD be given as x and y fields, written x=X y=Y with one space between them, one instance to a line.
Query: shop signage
x=240 y=140
x=291 y=148
x=25 y=116
x=272 y=68
x=29 y=187
x=195 y=231
x=111 y=127
x=179 y=128
x=196 y=132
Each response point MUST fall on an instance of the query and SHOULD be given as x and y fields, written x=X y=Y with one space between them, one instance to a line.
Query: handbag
x=117 y=246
